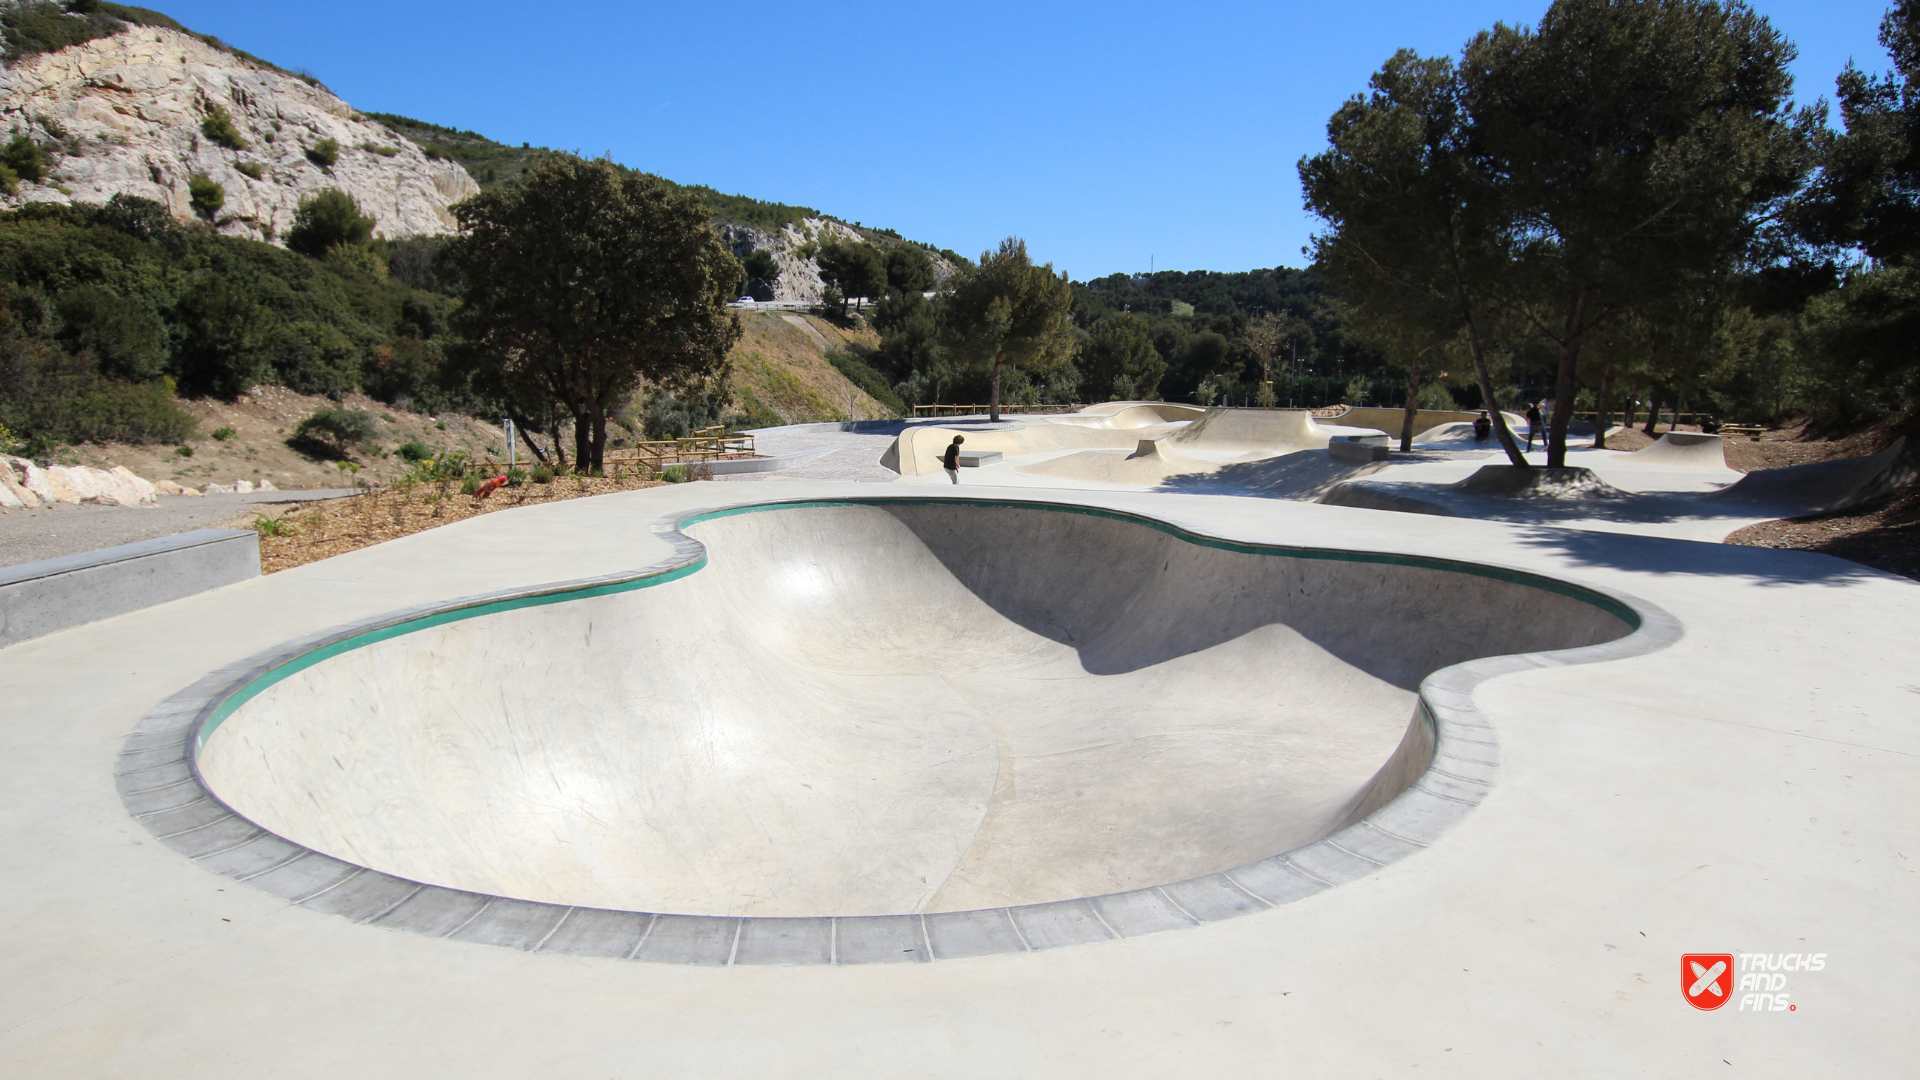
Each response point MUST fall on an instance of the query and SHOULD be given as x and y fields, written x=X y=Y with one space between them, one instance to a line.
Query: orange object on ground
x=490 y=487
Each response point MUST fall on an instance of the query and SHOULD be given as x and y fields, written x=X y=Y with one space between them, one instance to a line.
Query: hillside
x=141 y=112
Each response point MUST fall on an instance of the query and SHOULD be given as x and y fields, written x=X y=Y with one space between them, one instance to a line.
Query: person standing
x=1482 y=427
x=1533 y=425
x=950 y=460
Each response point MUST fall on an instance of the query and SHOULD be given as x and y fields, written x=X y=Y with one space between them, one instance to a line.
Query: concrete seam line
x=1446 y=695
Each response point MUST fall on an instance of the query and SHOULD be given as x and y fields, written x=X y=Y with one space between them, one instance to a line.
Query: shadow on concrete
x=1659 y=555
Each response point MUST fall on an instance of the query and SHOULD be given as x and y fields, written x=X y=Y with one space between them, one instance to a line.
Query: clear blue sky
x=1106 y=134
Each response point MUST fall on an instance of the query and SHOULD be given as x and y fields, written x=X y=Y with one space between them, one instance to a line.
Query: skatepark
x=1208 y=751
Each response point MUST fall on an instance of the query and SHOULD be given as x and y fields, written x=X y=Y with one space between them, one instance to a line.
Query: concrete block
x=973 y=459
x=1353 y=450
x=39 y=598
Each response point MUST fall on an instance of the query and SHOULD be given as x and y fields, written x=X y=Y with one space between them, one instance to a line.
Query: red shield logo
x=1706 y=979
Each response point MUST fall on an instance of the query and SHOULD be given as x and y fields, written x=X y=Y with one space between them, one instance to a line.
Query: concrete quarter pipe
x=862 y=730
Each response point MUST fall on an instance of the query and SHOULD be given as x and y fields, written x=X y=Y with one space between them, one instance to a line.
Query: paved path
x=1747 y=789
x=65 y=529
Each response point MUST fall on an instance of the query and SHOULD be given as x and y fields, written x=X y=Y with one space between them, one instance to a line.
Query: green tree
x=1007 y=312
x=909 y=269
x=1636 y=146
x=23 y=159
x=1119 y=362
x=851 y=270
x=1416 y=233
x=763 y=273
x=1867 y=191
x=585 y=279
x=329 y=220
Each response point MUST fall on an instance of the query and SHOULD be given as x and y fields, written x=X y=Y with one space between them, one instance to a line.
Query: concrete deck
x=1749 y=788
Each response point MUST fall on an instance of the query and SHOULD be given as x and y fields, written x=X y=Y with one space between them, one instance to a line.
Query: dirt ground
x=1885 y=538
x=263 y=419
x=313 y=531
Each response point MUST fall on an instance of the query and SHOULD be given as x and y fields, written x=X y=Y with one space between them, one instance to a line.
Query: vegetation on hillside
x=45 y=26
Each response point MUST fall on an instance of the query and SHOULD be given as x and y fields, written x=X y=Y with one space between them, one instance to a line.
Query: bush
x=313 y=358
x=25 y=158
x=267 y=526
x=111 y=411
x=250 y=169
x=183 y=451
x=205 y=196
x=142 y=219
x=324 y=153
x=675 y=474
x=125 y=337
x=328 y=221
x=338 y=429
x=667 y=417
x=224 y=434
x=516 y=476
x=470 y=484
x=218 y=126
x=543 y=475
x=413 y=451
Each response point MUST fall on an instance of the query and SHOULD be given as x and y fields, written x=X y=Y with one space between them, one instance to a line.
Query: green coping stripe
x=1424 y=562
x=305 y=660
x=332 y=649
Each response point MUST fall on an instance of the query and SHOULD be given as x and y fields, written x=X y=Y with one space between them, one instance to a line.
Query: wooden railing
x=645 y=460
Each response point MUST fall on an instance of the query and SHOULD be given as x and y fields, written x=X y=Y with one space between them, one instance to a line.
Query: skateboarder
x=950 y=460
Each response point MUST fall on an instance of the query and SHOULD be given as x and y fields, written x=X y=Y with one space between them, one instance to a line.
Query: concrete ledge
x=39 y=598
x=752 y=465
x=1357 y=450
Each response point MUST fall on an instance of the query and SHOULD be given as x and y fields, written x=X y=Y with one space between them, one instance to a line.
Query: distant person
x=1482 y=427
x=1533 y=426
x=1710 y=426
x=950 y=460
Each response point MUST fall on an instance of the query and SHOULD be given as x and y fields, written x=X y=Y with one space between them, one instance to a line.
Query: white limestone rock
x=128 y=109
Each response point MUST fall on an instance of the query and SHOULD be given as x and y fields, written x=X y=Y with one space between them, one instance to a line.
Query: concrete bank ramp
x=1690 y=449
x=1826 y=487
x=886 y=707
x=1536 y=482
x=1265 y=432
x=916 y=451
x=1128 y=414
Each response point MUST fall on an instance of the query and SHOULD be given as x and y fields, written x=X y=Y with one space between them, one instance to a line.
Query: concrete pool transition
x=1162 y=782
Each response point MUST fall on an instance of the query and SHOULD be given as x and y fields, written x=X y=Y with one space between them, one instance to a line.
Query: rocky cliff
x=125 y=113
x=799 y=274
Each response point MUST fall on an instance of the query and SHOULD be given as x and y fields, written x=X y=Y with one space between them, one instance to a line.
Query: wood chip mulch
x=322 y=530
x=1885 y=539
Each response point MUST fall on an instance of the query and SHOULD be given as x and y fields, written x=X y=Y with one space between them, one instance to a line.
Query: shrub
x=543 y=475
x=225 y=433
x=183 y=451
x=112 y=411
x=324 y=153
x=328 y=221
x=516 y=476
x=313 y=358
x=25 y=157
x=267 y=526
x=337 y=429
x=675 y=474
x=205 y=196
x=470 y=484
x=667 y=417
x=142 y=219
x=251 y=169
x=376 y=148
x=218 y=126
x=413 y=451
x=125 y=337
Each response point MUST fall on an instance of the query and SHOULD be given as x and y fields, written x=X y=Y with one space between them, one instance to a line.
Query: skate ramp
x=1265 y=432
x=1536 y=482
x=1129 y=414
x=1391 y=420
x=880 y=708
x=916 y=451
x=1689 y=449
x=1826 y=487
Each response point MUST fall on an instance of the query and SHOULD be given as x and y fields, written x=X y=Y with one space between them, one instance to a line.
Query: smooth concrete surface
x=983 y=706
x=1688 y=448
x=1749 y=788
x=39 y=598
